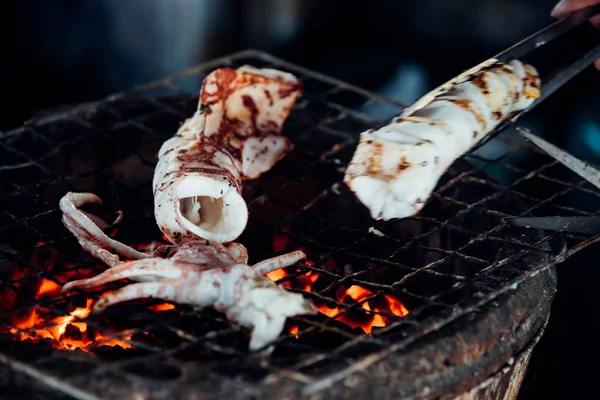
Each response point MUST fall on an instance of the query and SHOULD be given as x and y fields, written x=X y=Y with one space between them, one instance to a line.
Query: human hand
x=566 y=7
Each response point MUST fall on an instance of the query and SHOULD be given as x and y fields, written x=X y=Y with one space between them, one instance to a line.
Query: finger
x=566 y=7
x=596 y=22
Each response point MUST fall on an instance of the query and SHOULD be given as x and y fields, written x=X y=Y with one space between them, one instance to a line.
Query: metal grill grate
x=453 y=259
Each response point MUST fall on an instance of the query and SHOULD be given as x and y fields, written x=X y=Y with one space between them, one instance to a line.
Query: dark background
x=61 y=52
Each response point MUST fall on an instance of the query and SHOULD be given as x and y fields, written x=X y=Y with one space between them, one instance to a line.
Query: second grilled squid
x=234 y=135
x=395 y=168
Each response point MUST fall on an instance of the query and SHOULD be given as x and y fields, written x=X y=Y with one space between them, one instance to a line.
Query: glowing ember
x=371 y=304
x=48 y=287
x=34 y=327
x=277 y=275
x=359 y=294
x=396 y=307
x=294 y=331
x=66 y=332
x=162 y=307
x=69 y=331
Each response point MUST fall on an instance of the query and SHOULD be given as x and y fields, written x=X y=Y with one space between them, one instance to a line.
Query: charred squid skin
x=263 y=307
x=209 y=274
x=234 y=135
x=84 y=227
x=147 y=270
x=395 y=169
x=190 y=170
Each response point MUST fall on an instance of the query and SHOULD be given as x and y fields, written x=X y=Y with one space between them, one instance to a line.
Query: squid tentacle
x=147 y=270
x=282 y=261
x=89 y=235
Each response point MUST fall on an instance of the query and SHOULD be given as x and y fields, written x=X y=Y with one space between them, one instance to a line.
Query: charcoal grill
x=478 y=291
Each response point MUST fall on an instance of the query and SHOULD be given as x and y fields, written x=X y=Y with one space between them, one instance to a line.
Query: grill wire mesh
x=454 y=258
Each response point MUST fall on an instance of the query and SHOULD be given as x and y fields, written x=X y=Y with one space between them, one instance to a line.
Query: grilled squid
x=200 y=273
x=234 y=135
x=395 y=169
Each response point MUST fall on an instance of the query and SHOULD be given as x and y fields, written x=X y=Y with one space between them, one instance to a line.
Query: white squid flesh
x=395 y=169
x=200 y=273
x=234 y=135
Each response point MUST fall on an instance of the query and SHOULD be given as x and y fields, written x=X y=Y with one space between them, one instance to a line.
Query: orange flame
x=48 y=287
x=294 y=331
x=277 y=275
x=162 y=307
x=359 y=294
x=65 y=332
x=371 y=314
x=69 y=331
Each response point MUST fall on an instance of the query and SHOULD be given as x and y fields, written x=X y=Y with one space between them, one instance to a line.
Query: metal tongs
x=587 y=224
x=549 y=84
x=542 y=37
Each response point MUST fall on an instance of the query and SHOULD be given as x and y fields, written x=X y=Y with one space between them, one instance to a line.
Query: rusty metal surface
x=506 y=383
x=466 y=277
x=481 y=358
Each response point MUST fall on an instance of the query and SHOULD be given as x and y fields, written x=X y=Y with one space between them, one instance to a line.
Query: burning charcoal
x=74 y=302
x=8 y=298
x=164 y=308
x=73 y=332
x=5 y=268
x=312 y=215
x=91 y=333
